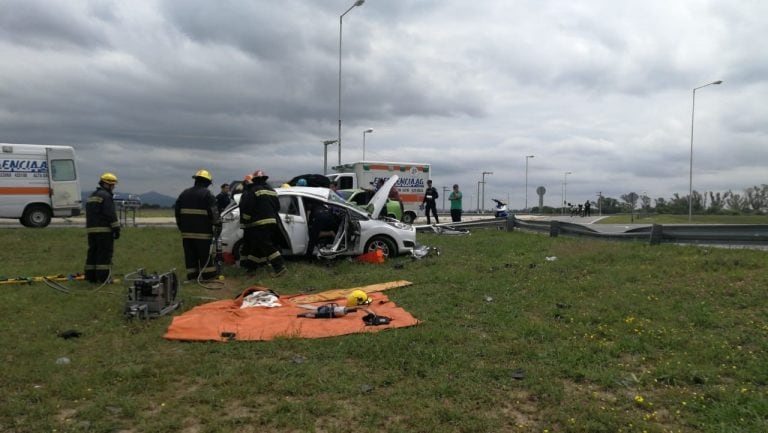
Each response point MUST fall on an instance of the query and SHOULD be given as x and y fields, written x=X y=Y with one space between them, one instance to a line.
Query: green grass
x=609 y=337
x=683 y=219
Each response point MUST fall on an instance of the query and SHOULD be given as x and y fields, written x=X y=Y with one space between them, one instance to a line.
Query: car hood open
x=379 y=199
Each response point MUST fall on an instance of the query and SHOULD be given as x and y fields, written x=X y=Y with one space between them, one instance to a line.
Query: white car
x=358 y=231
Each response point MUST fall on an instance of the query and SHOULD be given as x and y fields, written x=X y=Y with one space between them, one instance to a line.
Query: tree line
x=752 y=200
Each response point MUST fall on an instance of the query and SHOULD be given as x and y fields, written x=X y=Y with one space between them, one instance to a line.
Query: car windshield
x=337 y=197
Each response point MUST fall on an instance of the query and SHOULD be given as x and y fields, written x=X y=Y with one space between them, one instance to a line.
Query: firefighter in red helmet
x=260 y=221
x=198 y=219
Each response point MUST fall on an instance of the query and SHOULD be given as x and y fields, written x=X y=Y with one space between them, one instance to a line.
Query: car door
x=293 y=217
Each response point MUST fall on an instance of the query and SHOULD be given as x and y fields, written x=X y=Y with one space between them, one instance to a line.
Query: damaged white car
x=358 y=231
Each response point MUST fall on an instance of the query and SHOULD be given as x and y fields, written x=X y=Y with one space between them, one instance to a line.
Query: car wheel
x=409 y=217
x=36 y=216
x=381 y=243
x=236 y=250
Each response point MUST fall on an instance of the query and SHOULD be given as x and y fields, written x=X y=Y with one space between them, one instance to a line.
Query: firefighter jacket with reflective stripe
x=100 y=215
x=258 y=206
x=196 y=213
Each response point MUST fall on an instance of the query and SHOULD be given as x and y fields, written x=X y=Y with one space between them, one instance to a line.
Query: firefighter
x=260 y=221
x=103 y=228
x=198 y=219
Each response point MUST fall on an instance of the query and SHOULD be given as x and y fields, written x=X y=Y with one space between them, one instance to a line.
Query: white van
x=38 y=182
x=411 y=186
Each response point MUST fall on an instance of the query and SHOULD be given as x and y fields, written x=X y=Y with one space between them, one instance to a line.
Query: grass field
x=521 y=333
x=683 y=219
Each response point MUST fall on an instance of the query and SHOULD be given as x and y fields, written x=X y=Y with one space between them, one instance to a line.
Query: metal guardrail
x=735 y=234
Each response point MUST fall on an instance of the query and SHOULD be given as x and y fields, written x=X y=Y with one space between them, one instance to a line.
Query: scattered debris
x=63 y=361
x=71 y=333
x=444 y=230
x=518 y=374
x=298 y=359
x=551 y=259
x=421 y=251
x=488 y=299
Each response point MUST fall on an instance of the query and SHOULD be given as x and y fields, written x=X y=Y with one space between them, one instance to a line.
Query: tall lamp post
x=484 y=173
x=690 y=173
x=445 y=188
x=326 y=143
x=478 y=196
x=367 y=131
x=565 y=187
x=527 y=157
x=357 y=3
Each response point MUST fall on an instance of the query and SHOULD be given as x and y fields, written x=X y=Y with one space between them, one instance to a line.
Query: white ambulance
x=38 y=182
x=411 y=185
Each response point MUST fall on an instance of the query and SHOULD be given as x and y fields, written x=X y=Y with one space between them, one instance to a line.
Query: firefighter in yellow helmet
x=261 y=225
x=198 y=219
x=103 y=228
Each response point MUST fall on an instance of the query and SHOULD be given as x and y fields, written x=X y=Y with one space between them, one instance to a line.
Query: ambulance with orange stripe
x=411 y=184
x=38 y=182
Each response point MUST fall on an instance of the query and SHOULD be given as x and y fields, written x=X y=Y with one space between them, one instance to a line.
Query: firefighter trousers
x=259 y=248
x=101 y=246
x=198 y=258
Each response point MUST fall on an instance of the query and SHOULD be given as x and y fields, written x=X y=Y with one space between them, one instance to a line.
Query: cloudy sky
x=153 y=90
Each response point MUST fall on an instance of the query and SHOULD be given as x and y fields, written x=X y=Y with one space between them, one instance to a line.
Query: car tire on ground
x=236 y=250
x=409 y=217
x=36 y=216
x=381 y=242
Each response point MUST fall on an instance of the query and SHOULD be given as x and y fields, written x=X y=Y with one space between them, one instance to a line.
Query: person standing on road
x=260 y=219
x=103 y=228
x=198 y=219
x=430 y=202
x=587 y=208
x=223 y=199
x=456 y=207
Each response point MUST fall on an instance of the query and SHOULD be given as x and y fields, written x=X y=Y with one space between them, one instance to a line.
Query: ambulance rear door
x=63 y=181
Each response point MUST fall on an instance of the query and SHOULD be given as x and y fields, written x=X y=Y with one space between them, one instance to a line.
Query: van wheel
x=381 y=243
x=36 y=216
x=409 y=217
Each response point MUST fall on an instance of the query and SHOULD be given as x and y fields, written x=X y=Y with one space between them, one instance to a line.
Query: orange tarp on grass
x=225 y=320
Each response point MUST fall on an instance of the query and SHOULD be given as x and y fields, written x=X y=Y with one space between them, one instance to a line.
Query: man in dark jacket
x=259 y=219
x=198 y=219
x=430 y=201
x=103 y=228
x=223 y=199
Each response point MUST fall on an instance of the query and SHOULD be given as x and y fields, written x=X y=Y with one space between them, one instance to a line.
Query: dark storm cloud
x=41 y=24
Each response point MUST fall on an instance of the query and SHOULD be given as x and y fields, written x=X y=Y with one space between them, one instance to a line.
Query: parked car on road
x=358 y=230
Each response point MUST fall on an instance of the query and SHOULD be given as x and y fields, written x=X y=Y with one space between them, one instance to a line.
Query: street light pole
x=357 y=3
x=367 y=131
x=527 y=157
x=690 y=172
x=478 y=196
x=326 y=143
x=484 y=173
x=445 y=188
x=565 y=186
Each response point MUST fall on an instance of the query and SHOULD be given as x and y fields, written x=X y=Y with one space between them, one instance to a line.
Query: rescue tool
x=151 y=295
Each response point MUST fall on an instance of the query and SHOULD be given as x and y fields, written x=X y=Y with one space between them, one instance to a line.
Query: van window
x=344 y=182
x=63 y=169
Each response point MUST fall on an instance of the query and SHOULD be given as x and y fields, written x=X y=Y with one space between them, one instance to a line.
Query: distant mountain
x=152 y=197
